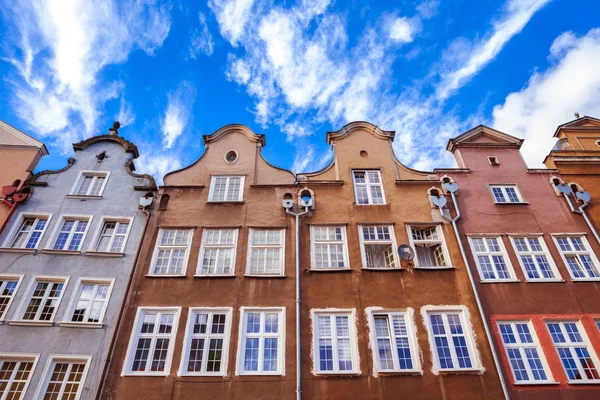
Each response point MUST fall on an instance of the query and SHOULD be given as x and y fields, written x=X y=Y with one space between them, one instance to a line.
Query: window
x=335 y=348
x=15 y=374
x=266 y=252
x=491 y=259
x=8 y=287
x=506 y=194
x=329 y=247
x=71 y=232
x=394 y=342
x=44 y=296
x=493 y=160
x=226 y=188
x=577 y=255
x=574 y=351
x=206 y=345
x=217 y=252
x=451 y=340
x=29 y=232
x=378 y=246
x=430 y=246
x=367 y=187
x=90 y=184
x=152 y=341
x=89 y=302
x=524 y=353
x=171 y=252
x=262 y=346
x=113 y=235
x=535 y=260
x=64 y=377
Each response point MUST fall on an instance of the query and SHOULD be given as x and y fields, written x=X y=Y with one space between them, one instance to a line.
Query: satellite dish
x=452 y=187
x=438 y=201
x=406 y=252
x=564 y=189
x=583 y=196
x=145 y=201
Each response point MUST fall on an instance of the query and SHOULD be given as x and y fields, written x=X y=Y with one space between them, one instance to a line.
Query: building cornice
x=363 y=126
x=239 y=128
x=499 y=139
x=126 y=144
x=32 y=179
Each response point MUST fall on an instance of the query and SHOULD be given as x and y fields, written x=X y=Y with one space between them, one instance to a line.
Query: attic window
x=493 y=160
x=231 y=156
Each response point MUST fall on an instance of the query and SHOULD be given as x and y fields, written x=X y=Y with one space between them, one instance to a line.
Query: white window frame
x=545 y=252
x=505 y=195
x=509 y=268
x=241 y=350
x=411 y=334
x=588 y=250
x=281 y=248
x=63 y=358
x=189 y=336
x=569 y=344
x=368 y=185
x=17 y=227
x=57 y=230
x=6 y=278
x=135 y=334
x=203 y=247
x=520 y=346
x=75 y=298
x=103 y=221
x=391 y=241
x=467 y=327
x=79 y=182
x=240 y=196
x=29 y=294
x=19 y=358
x=441 y=241
x=355 y=358
x=158 y=247
x=343 y=243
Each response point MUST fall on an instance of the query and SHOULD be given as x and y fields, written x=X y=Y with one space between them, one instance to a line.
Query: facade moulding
x=31 y=181
x=127 y=145
x=130 y=167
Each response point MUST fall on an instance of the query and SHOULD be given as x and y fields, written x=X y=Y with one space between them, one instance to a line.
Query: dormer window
x=368 y=188
x=504 y=194
x=90 y=184
x=226 y=188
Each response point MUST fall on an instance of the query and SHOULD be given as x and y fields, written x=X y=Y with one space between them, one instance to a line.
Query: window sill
x=215 y=276
x=337 y=375
x=500 y=281
x=535 y=383
x=435 y=268
x=508 y=203
x=83 y=197
x=471 y=371
x=166 y=276
x=399 y=373
x=319 y=270
x=544 y=280
x=585 y=279
x=143 y=374
x=103 y=254
x=252 y=373
x=225 y=202
x=264 y=276
x=20 y=322
x=367 y=205
x=17 y=250
x=590 y=382
x=64 y=252
x=203 y=374
x=80 y=325
x=382 y=269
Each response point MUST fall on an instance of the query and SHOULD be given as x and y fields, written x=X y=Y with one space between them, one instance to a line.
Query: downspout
x=587 y=220
x=298 y=352
x=113 y=341
x=475 y=291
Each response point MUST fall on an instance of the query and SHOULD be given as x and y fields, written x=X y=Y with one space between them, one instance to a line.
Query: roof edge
x=126 y=144
x=459 y=141
x=360 y=125
x=227 y=129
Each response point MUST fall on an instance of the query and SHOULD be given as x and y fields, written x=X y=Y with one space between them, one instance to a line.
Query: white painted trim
x=588 y=251
x=110 y=218
x=363 y=254
x=352 y=324
x=158 y=246
x=55 y=232
x=280 y=343
x=126 y=371
x=441 y=241
x=52 y=359
x=79 y=181
x=368 y=185
x=187 y=339
x=465 y=319
x=503 y=253
x=545 y=252
x=17 y=225
x=203 y=248
x=75 y=298
x=281 y=252
x=344 y=247
x=29 y=292
x=22 y=357
x=7 y=277
x=240 y=196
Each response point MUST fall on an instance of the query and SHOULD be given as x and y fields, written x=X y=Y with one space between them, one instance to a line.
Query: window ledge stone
x=471 y=371
x=103 y=254
x=83 y=197
x=500 y=281
x=17 y=250
x=64 y=252
x=513 y=203
x=383 y=269
x=21 y=322
x=81 y=325
x=325 y=270
x=214 y=276
x=166 y=276
x=436 y=268
x=399 y=373
x=264 y=276
x=535 y=383
x=225 y=202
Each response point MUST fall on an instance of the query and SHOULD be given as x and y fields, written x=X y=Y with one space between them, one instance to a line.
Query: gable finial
x=576 y=115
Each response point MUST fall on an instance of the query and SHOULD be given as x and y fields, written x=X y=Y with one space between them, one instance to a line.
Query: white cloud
x=232 y=16
x=202 y=40
x=571 y=84
x=157 y=165
x=474 y=56
x=61 y=48
x=428 y=9
x=126 y=115
x=178 y=112
x=401 y=30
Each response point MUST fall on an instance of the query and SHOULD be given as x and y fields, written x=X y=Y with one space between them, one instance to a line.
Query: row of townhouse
x=367 y=279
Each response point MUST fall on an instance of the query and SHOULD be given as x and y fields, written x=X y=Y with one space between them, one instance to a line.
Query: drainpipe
x=472 y=280
x=298 y=352
x=566 y=191
x=113 y=341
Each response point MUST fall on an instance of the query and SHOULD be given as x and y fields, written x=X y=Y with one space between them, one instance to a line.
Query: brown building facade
x=212 y=309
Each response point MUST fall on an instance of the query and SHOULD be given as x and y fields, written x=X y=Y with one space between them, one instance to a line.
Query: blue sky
x=173 y=71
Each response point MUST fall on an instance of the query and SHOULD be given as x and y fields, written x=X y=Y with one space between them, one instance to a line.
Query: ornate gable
x=483 y=136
